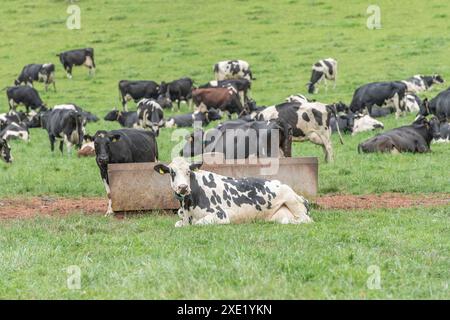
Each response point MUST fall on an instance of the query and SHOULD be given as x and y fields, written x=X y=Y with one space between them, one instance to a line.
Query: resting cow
x=322 y=70
x=208 y=198
x=233 y=69
x=189 y=119
x=77 y=57
x=37 y=72
x=25 y=95
x=87 y=149
x=5 y=151
x=412 y=138
x=419 y=83
x=127 y=119
x=439 y=106
x=354 y=123
x=123 y=146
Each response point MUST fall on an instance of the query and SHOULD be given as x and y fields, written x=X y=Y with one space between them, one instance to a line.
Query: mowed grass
x=145 y=257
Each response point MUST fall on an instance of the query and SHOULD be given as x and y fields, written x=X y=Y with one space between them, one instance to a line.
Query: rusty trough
x=137 y=187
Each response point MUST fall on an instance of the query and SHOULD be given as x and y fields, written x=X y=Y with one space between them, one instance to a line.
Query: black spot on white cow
x=24 y=95
x=208 y=198
x=123 y=146
x=322 y=71
x=150 y=115
x=37 y=72
x=77 y=57
x=137 y=90
x=232 y=69
x=419 y=83
x=5 y=151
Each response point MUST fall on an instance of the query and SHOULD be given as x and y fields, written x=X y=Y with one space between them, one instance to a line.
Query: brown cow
x=224 y=99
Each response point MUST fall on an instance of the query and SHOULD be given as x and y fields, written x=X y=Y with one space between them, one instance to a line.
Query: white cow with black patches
x=209 y=198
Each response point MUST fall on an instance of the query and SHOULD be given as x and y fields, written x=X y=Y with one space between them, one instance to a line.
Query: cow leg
x=68 y=71
x=52 y=142
x=68 y=145
x=325 y=142
x=297 y=205
x=109 y=211
x=54 y=86
x=61 y=146
x=212 y=219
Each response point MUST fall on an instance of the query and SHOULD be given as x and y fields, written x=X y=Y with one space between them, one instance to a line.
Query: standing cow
x=223 y=99
x=77 y=57
x=150 y=115
x=137 y=90
x=123 y=146
x=25 y=95
x=208 y=198
x=242 y=86
x=233 y=69
x=37 y=72
x=322 y=70
x=177 y=90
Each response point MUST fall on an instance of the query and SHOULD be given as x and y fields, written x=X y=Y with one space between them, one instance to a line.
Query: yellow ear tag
x=161 y=171
x=190 y=139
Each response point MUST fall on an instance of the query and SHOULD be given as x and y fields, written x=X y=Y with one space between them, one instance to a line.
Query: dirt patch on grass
x=53 y=206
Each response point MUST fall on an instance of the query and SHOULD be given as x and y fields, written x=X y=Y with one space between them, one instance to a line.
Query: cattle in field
x=87 y=149
x=354 y=123
x=5 y=151
x=309 y=122
x=15 y=131
x=438 y=106
x=150 y=115
x=411 y=138
x=242 y=86
x=322 y=70
x=137 y=90
x=189 y=119
x=412 y=103
x=123 y=146
x=419 y=83
x=127 y=119
x=382 y=94
x=77 y=57
x=232 y=69
x=223 y=99
x=239 y=139
x=208 y=198
x=87 y=116
x=64 y=125
x=444 y=133
x=177 y=90
x=37 y=72
x=24 y=95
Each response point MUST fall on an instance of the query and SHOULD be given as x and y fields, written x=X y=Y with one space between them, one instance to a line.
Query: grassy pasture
x=145 y=257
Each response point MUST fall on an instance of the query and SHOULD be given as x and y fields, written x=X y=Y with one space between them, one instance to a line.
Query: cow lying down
x=412 y=138
x=209 y=198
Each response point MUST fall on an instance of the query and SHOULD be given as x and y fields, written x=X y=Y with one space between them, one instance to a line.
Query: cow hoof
x=109 y=213
x=179 y=224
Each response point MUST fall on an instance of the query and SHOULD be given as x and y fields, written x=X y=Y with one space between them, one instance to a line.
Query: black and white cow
x=177 y=90
x=412 y=138
x=77 y=57
x=444 y=133
x=232 y=69
x=87 y=116
x=299 y=98
x=5 y=151
x=64 y=125
x=239 y=139
x=380 y=94
x=15 y=131
x=189 y=119
x=242 y=86
x=150 y=115
x=412 y=103
x=25 y=95
x=127 y=119
x=37 y=72
x=439 y=106
x=309 y=122
x=208 y=198
x=419 y=83
x=354 y=123
x=123 y=146
x=322 y=70
x=137 y=90
x=12 y=117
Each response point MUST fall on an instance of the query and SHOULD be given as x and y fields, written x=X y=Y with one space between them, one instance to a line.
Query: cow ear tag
x=161 y=171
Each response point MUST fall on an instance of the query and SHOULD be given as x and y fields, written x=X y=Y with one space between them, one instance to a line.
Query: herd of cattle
x=296 y=118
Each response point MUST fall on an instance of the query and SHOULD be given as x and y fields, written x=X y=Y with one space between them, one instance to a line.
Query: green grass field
x=164 y=40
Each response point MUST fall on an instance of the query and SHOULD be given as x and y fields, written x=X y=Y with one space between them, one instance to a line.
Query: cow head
x=285 y=131
x=112 y=115
x=361 y=123
x=164 y=102
x=251 y=105
x=5 y=151
x=438 y=79
x=181 y=173
x=102 y=144
x=194 y=144
x=163 y=88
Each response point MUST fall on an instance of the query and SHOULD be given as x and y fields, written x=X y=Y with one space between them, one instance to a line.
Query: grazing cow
x=177 y=90
x=354 y=123
x=188 y=120
x=25 y=95
x=223 y=99
x=123 y=146
x=136 y=91
x=322 y=70
x=239 y=139
x=419 y=83
x=64 y=125
x=412 y=138
x=87 y=116
x=12 y=117
x=127 y=119
x=87 y=149
x=379 y=94
x=242 y=86
x=310 y=121
x=232 y=69
x=15 y=131
x=439 y=106
x=209 y=198
x=77 y=57
x=37 y=72
x=150 y=115
x=5 y=151
x=444 y=133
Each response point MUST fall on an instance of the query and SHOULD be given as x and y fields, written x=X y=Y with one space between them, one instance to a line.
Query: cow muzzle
x=183 y=190
x=103 y=160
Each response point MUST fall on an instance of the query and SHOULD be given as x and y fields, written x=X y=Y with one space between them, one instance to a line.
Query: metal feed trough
x=137 y=187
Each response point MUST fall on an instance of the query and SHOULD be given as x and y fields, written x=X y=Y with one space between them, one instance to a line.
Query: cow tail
x=332 y=109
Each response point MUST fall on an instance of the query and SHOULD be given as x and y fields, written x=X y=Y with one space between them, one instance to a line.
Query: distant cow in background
x=354 y=123
x=87 y=116
x=322 y=70
x=412 y=103
x=77 y=57
x=188 y=120
x=15 y=131
x=177 y=90
x=241 y=85
x=37 y=72
x=150 y=115
x=127 y=119
x=137 y=90
x=232 y=69
x=419 y=83
x=439 y=106
x=223 y=99
x=5 y=151
x=25 y=95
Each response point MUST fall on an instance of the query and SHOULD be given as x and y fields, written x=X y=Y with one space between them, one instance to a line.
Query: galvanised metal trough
x=137 y=187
